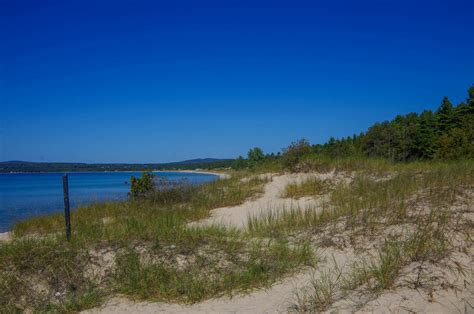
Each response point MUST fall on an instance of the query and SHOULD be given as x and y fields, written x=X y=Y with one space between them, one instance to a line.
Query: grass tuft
x=309 y=187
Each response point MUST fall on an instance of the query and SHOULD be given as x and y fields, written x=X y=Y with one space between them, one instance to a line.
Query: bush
x=295 y=152
x=143 y=186
x=255 y=155
x=239 y=163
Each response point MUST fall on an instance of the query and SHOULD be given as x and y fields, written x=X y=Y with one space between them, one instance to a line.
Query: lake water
x=25 y=195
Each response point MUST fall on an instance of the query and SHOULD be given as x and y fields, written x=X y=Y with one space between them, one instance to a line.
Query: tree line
x=444 y=134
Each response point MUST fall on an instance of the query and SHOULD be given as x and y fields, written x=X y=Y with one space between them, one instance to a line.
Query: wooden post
x=67 y=213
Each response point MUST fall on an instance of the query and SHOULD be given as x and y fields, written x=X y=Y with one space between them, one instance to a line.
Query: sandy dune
x=279 y=298
x=236 y=216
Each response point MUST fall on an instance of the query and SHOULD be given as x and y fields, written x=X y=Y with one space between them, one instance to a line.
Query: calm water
x=26 y=195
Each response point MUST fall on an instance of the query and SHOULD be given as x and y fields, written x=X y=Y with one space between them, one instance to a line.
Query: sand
x=5 y=236
x=220 y=175
x=277 y=299
x=237 y=216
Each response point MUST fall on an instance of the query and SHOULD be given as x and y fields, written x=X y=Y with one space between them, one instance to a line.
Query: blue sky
x=143 y=81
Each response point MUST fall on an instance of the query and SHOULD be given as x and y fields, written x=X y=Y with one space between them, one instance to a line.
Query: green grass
x=260 y=266
x=309 y=187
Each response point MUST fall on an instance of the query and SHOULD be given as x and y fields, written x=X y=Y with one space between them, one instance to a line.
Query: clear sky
x=143 y=81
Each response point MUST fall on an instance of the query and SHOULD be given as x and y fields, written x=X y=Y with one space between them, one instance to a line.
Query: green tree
x=295 y=152
x=379 y=141
x=445 y=116
x=255 y=155
x=470 y=100
x=454 y=144
x=426 y=139
x=239 y=163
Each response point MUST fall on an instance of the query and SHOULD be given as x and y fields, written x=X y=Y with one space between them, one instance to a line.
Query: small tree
x=294 y=152
x=255 y=154
x=239 y=163
x=140 y=187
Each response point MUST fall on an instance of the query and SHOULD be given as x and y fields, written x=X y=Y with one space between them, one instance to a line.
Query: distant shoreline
x=220 y=175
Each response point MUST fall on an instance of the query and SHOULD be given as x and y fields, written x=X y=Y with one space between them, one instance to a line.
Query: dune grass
x=309 y=187
x=368 y=203
x=205 y=278
x=142 y=248
x=428 y=243
x=419 y=196
x=146 y=248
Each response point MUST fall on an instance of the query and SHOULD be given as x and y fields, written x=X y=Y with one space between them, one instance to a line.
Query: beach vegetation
x=397 y=195
x=148 y=247
x=141 y=187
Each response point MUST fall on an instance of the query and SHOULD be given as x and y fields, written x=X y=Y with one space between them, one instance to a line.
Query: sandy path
x=236 y=216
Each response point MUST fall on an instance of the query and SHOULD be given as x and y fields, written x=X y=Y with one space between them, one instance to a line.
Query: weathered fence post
x=67 y=213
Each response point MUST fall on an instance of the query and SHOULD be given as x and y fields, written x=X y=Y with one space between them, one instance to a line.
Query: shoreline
x=6 y=236
x=220 y=175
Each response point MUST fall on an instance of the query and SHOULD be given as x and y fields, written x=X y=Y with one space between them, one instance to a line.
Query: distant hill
x=26 y=166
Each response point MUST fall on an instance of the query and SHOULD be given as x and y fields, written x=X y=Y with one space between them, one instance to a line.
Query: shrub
x=142 y=186
x=255 y=155
x=295 y=152
x=239 y=163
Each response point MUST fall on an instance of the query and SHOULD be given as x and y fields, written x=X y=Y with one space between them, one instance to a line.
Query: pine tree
x=445 y=116
x=426 y=139
x=470 y=100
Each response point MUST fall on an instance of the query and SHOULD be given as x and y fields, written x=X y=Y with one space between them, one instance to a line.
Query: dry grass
x=309 y=187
